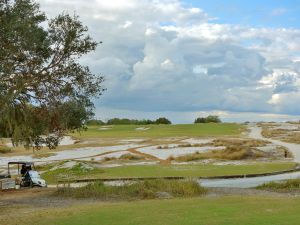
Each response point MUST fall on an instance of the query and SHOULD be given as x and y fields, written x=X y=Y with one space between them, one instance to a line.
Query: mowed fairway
x=192 y=170
x=160 y=131
x=230 y=210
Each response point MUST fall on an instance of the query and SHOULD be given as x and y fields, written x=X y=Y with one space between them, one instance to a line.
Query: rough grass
x=39 y=155
x=245 y=143
x=287 y=185
x=229 y=153
x=148 y=189
x=236 y=149
x=281 y=134
x=4 y=149
x=125 y=157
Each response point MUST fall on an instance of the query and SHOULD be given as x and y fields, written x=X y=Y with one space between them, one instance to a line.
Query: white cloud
x=279 y=11
x=165 y=56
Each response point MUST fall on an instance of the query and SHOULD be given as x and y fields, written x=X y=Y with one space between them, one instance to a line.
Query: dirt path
x=255 y=132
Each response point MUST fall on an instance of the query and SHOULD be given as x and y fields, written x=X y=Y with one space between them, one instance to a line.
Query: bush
x=94 y=123
x=162 y=120
x=208 y=119
x=147 y=189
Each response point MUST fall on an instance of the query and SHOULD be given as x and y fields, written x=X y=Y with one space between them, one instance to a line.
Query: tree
x=41 y=79
x=208 y=119
x=162 y=120
x=94 y=122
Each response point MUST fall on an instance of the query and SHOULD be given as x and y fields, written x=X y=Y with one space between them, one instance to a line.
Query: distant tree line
x=125 y=121
x=208 y=119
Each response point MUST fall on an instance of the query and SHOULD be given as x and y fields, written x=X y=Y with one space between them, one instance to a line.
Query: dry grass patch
x=244 y=143
x=5 y=149
x=230 y=153
x=291 y=136
x=39 y=155
x=125 y=157
x=282 y=186
x=148 y=189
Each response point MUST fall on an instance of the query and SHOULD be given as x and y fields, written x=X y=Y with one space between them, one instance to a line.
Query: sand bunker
x=66 y=140
x=69 y=154
x=166 y=153
x=142 y=128
x=197 y=141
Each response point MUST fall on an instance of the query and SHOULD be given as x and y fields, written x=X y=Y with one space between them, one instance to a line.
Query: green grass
x=230 y=210
x=192 y=170
x=148 y=189
x=158 y=131
x=282 y=186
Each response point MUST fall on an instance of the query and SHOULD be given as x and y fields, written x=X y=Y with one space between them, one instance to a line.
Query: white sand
x=142 y=128
x=69 y=154
x=66 y=140
x=255 y=132
x=110 y=155
x=197 y=141
x=166 y=153
x=131 y=140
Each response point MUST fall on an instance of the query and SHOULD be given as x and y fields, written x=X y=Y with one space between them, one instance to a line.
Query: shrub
x=94 y=122
x=208 y=119
x=162 y=120
x=131 y=157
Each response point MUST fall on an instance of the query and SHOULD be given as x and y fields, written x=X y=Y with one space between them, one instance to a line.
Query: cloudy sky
x=183 y=58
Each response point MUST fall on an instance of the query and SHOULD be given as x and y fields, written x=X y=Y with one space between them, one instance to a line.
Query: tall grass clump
x=4 y=149
x=148 y=189
x=287 y=185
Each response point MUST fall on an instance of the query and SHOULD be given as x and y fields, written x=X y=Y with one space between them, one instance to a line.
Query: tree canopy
x=208 y=119
x=44 y=90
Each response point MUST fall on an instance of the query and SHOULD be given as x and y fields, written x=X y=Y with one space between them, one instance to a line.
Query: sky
x=183 y=59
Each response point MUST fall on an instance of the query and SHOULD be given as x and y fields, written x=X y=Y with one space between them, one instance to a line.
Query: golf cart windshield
x=34 y=174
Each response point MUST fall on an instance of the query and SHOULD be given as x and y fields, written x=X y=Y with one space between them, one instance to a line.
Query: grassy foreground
x=248 y=210
x=191 y=170
x=160 y=131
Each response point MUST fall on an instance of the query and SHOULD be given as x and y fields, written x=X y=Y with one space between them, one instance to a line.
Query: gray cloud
x=163 y=56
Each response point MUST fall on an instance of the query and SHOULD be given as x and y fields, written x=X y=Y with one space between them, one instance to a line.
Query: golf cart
x=27 y=175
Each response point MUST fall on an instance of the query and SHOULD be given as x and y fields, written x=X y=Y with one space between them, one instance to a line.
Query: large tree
x=42 y=84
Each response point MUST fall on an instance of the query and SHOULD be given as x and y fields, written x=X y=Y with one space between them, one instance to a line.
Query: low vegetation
x=124 y=121
x=291 y=136
x=39 y=155
x=148 y=189
x=230 y=153
x=282 y=186
x=208 y=119
x=4 y=149
x=125 y=157
x=235 y=149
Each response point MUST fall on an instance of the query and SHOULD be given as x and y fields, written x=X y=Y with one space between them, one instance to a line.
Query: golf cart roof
x=21 y=163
